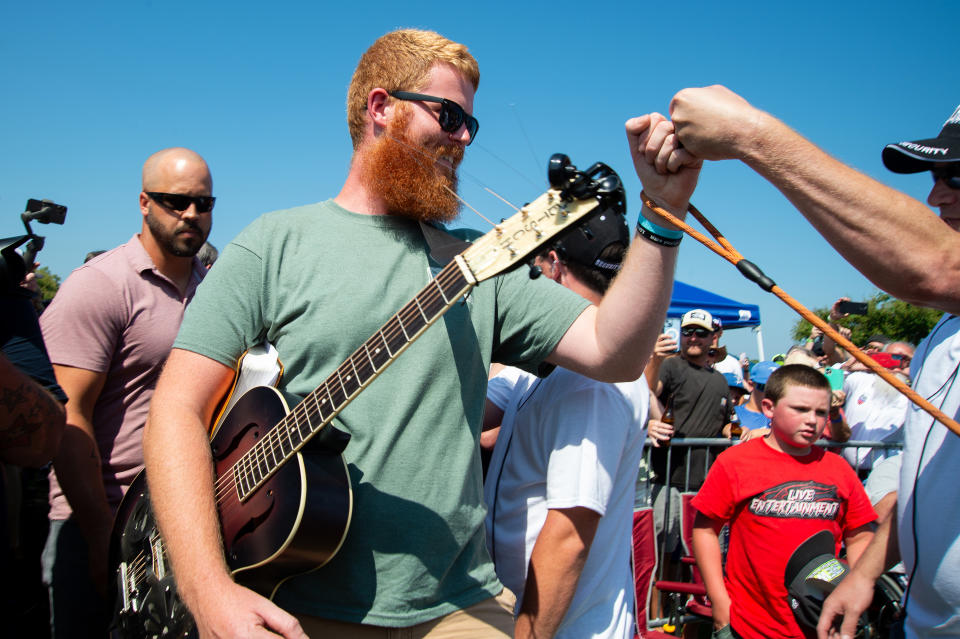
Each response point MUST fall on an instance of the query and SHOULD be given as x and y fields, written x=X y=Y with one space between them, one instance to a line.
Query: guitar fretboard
x=323 y=404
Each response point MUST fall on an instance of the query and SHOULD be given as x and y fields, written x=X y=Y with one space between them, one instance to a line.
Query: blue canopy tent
x=732 y=313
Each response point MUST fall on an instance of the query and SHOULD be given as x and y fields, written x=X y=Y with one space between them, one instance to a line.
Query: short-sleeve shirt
x=702 y=407
x=875 y=412
x=774 y=502
x=116 y=314
x=317 y=281
x=569 y=441
x=928 y=520
x=750 y=420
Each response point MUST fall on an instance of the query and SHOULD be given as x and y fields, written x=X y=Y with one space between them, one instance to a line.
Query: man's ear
x=144 y=203
x=556 y=266
x=379 y=107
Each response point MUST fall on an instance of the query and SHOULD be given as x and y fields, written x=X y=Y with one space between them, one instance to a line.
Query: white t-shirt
x=875 y=412
x=930 y=489
x=568 y=441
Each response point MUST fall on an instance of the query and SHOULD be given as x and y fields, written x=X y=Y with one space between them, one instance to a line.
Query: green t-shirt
x=317 y=281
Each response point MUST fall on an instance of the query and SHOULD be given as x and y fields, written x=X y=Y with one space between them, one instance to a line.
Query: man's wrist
x=651 y=225
x=651 y=202
x=762 y=138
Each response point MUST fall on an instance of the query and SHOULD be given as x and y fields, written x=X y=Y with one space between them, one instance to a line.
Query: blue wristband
x=669 y=234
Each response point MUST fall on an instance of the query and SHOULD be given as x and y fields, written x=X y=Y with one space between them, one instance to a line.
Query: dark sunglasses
x=905 y=359
x=760 y=387
x=949 y=174
x=451 y=116
x=699 y=332
x=180 y=203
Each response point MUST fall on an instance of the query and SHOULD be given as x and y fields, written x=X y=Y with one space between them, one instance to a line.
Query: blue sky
x=90 y=89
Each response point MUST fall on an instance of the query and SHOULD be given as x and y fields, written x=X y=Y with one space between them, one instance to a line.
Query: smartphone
x=672 y=328
x=853 y=308
x=835 y=377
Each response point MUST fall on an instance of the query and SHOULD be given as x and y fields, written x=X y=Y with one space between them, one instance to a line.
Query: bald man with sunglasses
x=108 y=331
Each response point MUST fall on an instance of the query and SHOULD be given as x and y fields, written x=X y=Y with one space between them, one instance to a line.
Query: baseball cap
x=733 y=382
x=812 y=572
x=761 y=371
x=916 y=156
x=585 y=242
x=697 y=317
x=886 y=360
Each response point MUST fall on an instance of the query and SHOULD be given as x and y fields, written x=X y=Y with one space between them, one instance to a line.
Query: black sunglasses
x=451 y=116
x=949 y=174
x=700 y=332
x=180 y=203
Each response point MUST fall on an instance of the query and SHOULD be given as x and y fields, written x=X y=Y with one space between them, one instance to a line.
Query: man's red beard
x=414 y=180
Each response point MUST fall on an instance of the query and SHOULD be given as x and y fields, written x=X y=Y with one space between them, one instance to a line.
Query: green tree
x=49 y=283
x=894 y=318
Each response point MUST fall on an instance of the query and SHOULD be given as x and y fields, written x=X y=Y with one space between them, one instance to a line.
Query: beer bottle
x=735 y=428
x=667 y=418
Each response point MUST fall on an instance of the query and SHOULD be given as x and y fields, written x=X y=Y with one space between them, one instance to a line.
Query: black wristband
x=657 y=239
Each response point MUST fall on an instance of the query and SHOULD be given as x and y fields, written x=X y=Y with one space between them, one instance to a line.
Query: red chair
x=691 y=596
x=644 y=566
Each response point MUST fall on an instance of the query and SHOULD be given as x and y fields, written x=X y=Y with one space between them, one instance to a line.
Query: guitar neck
x=323 y=404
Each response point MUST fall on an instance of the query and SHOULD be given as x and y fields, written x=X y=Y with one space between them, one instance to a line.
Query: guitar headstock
x=573 y=197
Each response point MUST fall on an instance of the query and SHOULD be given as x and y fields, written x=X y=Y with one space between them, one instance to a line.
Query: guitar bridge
x=158 y=556
x=128 y=590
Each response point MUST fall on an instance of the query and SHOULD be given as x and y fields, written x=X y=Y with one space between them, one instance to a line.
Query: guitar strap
x=443 y=246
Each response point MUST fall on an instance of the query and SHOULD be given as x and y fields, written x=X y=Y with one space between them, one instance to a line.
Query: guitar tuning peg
x=535 y=272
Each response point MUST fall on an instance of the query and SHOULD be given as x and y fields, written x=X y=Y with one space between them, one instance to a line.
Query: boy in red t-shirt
x=775 y=492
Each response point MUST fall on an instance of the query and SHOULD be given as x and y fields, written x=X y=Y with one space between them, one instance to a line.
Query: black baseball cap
x=916 y=156
x=812 y=572
x=584 y=243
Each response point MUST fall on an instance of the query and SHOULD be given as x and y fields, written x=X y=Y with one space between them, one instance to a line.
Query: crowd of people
x=128 y=367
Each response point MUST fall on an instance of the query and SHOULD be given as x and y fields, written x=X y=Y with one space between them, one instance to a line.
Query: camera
x=13 y=267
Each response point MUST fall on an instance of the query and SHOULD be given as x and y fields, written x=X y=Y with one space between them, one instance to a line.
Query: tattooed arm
x=31 y=419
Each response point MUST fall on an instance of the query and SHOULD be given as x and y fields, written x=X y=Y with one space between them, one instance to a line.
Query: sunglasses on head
x=180 y=203
x=451 y=116
x=949 y=174
x=699 y=332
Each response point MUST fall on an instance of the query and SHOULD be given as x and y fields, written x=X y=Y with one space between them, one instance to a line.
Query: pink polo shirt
x=119 y=315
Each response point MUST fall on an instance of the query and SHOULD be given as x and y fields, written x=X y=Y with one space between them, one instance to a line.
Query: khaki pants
x=490 y=619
